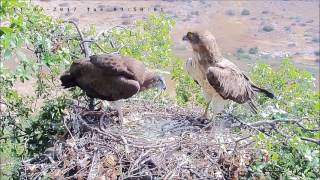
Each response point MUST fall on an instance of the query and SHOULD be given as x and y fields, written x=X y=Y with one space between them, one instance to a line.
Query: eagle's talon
x=99 y=108
x=120 y=117
x=120 y=122
x=202 y=119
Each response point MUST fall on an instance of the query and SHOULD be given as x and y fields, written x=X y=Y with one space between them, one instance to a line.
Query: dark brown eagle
x=111 y=77
x=219 y=78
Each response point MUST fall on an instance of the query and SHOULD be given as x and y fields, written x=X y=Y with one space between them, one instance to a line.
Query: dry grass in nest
x=159 y=142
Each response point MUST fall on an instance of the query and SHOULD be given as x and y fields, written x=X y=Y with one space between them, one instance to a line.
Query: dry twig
x=112 y=152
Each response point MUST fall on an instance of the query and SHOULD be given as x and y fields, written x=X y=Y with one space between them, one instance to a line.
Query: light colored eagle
x=219 y=78
x=111 y=77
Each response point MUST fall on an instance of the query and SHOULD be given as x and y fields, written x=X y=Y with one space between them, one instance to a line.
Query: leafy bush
x=26 y=131
x=186 y=89
x=253 y=50
x=293 y=87
x=230 y=12
x=240 y=51
x=292 y=156
x=245 y=12
x=148 y=41
x=268 y=28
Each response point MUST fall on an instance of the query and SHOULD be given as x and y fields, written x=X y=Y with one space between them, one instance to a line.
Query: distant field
x=276 y=28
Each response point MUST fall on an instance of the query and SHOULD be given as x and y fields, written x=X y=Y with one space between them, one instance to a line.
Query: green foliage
x=268 y=28
x=295 y=159
x=12 y=122
x=45 y=129
x=253 y=50
x=291 y=156
x=148 y=41
x=26 y=129
x=245 y=12
x=24 y=133
x=186 y=89
x=12 y=25
x=240 y=51
x=293 y=88
x=241 y=54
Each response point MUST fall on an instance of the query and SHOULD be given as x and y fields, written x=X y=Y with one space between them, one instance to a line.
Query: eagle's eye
x=190 y=35
x=193 y=37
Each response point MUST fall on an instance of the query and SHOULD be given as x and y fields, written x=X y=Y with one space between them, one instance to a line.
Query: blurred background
x=247 y=31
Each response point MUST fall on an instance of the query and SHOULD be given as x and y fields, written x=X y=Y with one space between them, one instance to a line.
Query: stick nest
x=156 y=142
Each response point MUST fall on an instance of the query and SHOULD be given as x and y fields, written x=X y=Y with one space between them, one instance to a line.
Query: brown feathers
x=204 y=44
x=224 y=77
x=110 y=77
x=229 y=82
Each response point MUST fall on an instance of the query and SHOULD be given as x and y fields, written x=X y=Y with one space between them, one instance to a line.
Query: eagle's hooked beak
x=185 y=38
x=162 y=86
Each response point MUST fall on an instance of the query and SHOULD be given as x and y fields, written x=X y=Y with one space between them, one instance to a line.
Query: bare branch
x=311 y=140
x=249 y=125
x=126 y=147
x=83 y=44
x=104 y=32
x=274 y=122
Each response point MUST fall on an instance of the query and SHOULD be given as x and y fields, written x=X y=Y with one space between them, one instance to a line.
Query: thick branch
x=83 y=43
x=274 y=122
x=102 y=33
x=249 y=125
x=317 y=141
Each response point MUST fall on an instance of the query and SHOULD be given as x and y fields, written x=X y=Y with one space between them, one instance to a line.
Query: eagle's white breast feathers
x=195 y=70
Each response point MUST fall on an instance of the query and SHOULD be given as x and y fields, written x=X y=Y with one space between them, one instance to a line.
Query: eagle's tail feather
x=267 y=93
x=67 y=80
x=253 y=107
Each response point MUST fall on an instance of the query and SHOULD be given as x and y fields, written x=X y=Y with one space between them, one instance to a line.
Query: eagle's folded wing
x=113 y=65
x=230 y=83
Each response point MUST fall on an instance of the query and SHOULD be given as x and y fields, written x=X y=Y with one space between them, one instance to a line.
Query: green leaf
x=6 y=30
x=7 y=54
x=21 y=55
x=274 y=156
x=261 y=136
